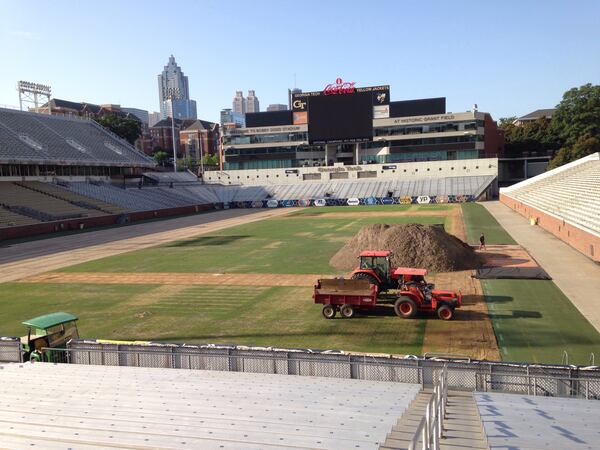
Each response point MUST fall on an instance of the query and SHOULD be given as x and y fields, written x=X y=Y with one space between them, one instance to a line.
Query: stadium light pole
x=174 y=94
x=173 y=135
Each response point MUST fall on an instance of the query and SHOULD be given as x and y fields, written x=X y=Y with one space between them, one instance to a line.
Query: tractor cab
x=48 y=332
x=375 y=267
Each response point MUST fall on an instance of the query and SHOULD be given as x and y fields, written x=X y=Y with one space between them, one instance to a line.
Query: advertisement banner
x=404 y=200
x=387 y=201
x=442 y=199
x=320 y=202
x=300 y=118
x=288 y=203
x=381 y=111
x=370 y=201
x=353 y=202
x=422 y=199
x=272 y=203
x=303 y=202
x=257 y=204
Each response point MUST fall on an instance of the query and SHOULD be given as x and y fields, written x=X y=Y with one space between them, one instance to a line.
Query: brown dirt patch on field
x=168 y=278
x=413 y=245
x=470 y=333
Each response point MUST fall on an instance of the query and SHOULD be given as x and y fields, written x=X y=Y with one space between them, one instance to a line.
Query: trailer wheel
x=405 y=307
x=328 y=311
x=347 y=311
x=444 y=312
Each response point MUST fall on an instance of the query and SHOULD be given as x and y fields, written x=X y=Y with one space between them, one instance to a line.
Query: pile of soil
x=413 y=245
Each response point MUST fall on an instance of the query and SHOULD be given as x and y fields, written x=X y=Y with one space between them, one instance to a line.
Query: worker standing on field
x=482 y=242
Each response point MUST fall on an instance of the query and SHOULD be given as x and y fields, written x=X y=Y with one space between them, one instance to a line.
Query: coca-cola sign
x=340 y=87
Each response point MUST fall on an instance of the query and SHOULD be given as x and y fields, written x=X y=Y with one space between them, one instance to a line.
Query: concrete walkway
x=577 y=276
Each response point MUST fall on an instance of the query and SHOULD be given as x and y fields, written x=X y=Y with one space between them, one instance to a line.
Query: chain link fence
x=10 y=350
x=483 y=376
x=462 y=374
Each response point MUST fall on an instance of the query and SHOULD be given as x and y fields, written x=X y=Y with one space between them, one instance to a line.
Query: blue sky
x=509 y=57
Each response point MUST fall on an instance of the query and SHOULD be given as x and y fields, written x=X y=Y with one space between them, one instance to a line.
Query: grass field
x=478 y=220
x=253 y=315
x=301 y=245
x=533 y=321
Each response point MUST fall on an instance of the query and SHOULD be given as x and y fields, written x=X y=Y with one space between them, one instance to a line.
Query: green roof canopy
x=50 y=320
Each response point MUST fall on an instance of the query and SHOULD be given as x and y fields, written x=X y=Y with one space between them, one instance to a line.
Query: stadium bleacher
x=42 y=138
x=571 y=192
x=527 y=422
x=10 y=218
x=39 y=205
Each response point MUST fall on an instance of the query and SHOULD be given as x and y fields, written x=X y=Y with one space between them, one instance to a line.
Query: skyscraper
x=291 y=93
x=239 y=103
x=277 y=107
x=174 y=93
x=252 y=104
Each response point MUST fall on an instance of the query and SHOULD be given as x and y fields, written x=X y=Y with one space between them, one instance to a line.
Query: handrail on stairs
x=431 y=427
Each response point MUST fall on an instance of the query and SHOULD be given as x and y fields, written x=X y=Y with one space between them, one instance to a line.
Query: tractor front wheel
x=328 y=311
x=347 y=311
x=444 y=312
x=405 y=307
x=365 y=276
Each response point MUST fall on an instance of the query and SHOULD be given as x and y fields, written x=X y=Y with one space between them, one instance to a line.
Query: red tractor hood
x=410 y=271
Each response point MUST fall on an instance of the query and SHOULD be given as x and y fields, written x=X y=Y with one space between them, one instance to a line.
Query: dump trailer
x=411 y=295
x=344 y=296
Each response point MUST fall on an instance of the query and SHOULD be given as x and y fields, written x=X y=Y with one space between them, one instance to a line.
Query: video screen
x=340 y=118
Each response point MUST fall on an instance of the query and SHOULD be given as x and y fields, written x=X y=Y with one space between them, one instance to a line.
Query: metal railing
x=480 y=376
x=431 y=427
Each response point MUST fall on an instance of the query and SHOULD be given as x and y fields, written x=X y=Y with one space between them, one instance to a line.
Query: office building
x=351 y=125
x=174 y=93
x=277 y=107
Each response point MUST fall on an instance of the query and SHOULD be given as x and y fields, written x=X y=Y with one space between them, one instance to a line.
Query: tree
x=210 y=160
x=537 y=136
x=577 y=123
x=584 y=146
x=127 y=128
x=160 y=157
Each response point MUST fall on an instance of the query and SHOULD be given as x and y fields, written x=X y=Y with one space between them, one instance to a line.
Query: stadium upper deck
x=34 y=144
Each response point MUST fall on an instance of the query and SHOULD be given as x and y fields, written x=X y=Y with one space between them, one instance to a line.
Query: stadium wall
x=92 y=222
x=369 y=172
x=587 y=242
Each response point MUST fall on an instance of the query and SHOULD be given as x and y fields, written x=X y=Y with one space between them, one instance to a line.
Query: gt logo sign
x=299 y=104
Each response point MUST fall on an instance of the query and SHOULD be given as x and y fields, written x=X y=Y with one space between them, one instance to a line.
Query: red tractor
x=376 y=267
x=414 y=293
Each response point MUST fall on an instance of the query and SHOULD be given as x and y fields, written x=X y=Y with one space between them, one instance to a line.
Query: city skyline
x=525 y=64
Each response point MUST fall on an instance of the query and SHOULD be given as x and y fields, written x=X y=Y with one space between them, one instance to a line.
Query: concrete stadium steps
x=42 y=138
x=10 y=218
x=528 y=422
x=102 y=406
x=462 y=426
x=573 y=194
x=49 y=207
x=473 y=185
x=61 y=193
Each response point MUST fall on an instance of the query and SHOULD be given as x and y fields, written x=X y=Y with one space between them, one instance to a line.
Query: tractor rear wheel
x=328 y=311
x=347 y=311
x=405 y=307
x=365 y=276
x=444 y=312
